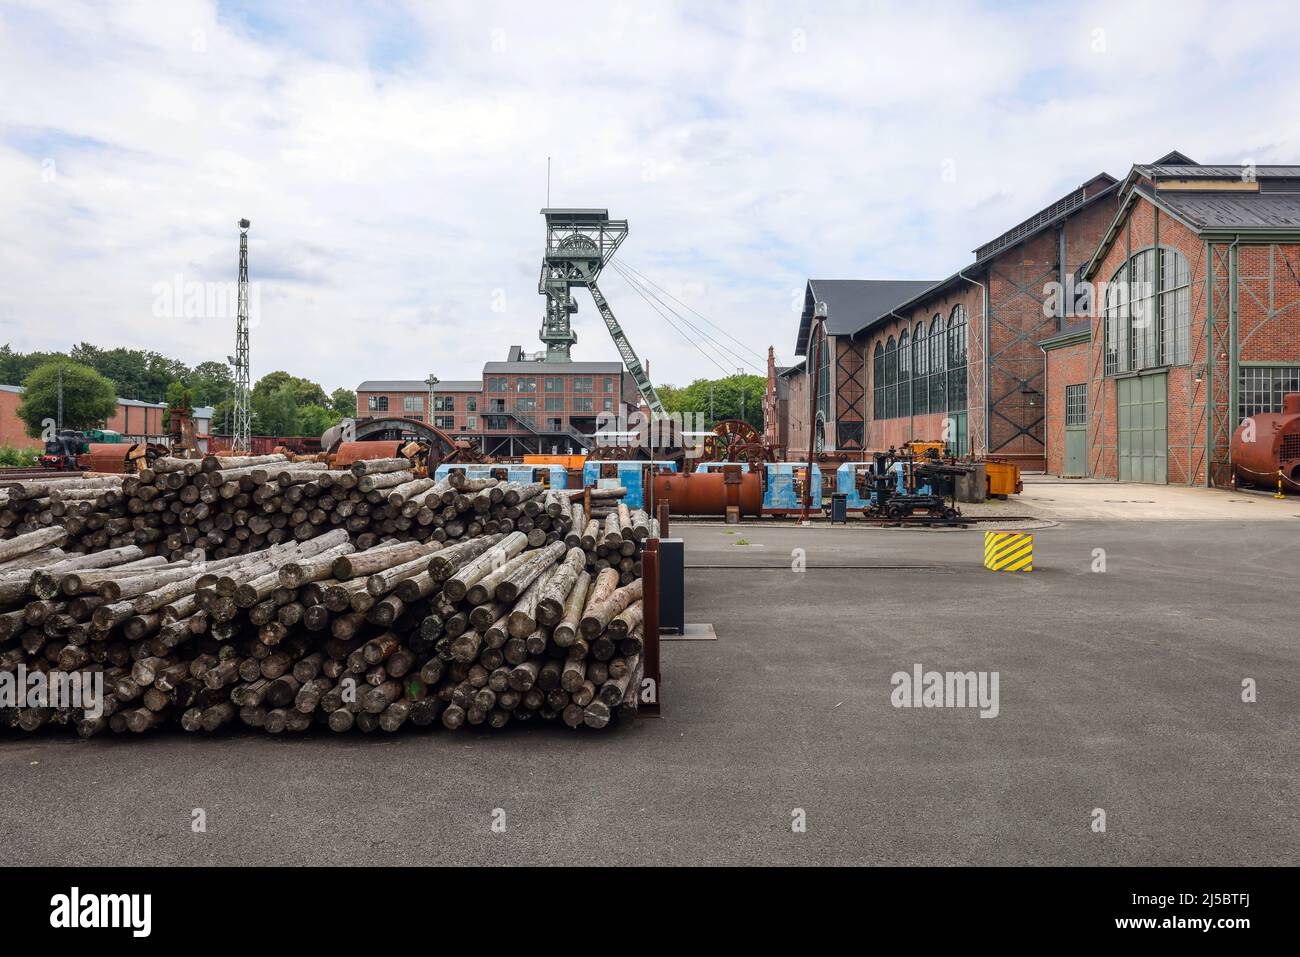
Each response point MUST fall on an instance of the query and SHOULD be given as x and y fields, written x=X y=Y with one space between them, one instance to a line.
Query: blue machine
x=846 y=481
x=625 y=474
x=784 y=491
x=552 y=476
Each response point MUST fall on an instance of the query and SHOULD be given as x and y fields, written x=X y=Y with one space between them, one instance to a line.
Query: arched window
x=904 y=375
x=1175 y=308
x=878 y=382
x=920 y=363
x=957 y=359
x=1146 y=312
x=938 y=362
x=891 y=378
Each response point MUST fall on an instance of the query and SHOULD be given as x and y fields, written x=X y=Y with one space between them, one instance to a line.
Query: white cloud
x=393 y=161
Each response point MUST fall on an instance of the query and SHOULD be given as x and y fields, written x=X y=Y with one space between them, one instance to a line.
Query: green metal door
x=1076 y=431
x=1076 y=453
x=1144 y=429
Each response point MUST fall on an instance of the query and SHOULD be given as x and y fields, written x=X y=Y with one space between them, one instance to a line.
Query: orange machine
x=1002 y=478
x=568 y=462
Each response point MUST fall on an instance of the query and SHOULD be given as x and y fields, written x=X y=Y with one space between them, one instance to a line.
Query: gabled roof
x=1253 y=199
x=852 y=303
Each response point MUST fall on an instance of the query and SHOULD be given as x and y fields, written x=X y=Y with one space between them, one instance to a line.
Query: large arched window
x=938 y=362
x=920 y=363
x=904 y=375
x=891 y=378
x=878 y=382
x=957 y=359
x=1146 y=312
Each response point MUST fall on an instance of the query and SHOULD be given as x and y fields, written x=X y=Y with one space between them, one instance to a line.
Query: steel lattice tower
x=243 y=430
x=579 y=244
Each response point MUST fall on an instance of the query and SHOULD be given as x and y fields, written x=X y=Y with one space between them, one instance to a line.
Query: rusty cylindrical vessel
x=350 y=452
x=709 y=493
x=1266 y=443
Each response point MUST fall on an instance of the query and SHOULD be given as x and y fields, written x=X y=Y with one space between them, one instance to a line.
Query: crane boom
x=628 y=354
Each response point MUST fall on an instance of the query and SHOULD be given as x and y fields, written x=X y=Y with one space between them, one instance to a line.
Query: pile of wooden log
x=459 y=603
x=221 y=507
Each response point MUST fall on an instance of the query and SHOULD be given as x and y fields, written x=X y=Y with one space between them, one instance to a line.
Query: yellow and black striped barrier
x=1009 y=551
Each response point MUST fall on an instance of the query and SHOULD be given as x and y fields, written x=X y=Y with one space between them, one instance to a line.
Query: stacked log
x=331 y=627
x=216 y=507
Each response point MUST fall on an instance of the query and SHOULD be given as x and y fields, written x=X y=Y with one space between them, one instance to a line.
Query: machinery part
x=710 y=493
x=442 y=447
x=110 y=457
x=1266 y=447
x=579 y=244
x=62 y=450
x=630 y=360
x=735 y=440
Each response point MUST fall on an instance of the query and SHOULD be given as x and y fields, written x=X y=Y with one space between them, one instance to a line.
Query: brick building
x=1121 y=332
x=1194 y=325
x=136 y=420
x=520 y=405
x=916 y=359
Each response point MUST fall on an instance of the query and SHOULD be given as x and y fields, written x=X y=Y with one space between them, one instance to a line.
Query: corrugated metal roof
x=1230 y=210
x=418 y=385
x=852 y=303
x=1216 y=172
x=1045 y=217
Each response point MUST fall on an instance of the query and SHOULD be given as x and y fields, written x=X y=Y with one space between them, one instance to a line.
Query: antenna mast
x=241 y=439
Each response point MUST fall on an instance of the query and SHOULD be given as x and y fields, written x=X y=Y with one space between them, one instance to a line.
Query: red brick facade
x=1260 y=277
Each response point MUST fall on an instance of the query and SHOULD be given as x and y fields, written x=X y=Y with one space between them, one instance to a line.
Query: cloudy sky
x=393 y=158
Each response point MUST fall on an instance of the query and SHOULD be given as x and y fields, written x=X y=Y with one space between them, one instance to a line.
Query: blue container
x=784 y=492
x=552 y=476
x=626 y=474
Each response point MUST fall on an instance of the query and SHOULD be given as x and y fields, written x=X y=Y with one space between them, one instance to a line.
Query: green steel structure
x=579 y=244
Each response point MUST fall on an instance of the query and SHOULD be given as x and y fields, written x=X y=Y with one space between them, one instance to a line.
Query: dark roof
x=852 y=303
x=1175 y=158
x=1212 y=211
x=552 y=368
x=791 y=370
x=417 y=385
x=1178 y=171
x=1045 y=217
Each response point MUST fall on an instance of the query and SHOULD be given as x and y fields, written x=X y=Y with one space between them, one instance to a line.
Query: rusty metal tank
x=709 y=493
x=1273 y=447
x=350 y=452
x=108 y=457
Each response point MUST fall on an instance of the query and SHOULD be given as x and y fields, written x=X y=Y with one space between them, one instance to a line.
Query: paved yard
x=1119 y=691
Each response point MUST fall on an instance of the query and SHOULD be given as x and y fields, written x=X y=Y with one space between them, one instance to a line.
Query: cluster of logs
x=229 y=506
x=461 y=602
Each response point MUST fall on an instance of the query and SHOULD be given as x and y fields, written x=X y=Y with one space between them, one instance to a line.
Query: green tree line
x=735 y=397
x=93 y=379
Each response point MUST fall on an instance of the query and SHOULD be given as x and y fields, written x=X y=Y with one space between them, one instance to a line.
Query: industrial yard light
x=430 y=382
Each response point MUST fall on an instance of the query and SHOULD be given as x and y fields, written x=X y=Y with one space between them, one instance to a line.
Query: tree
x=89 y=398
x=305 y=392
x=313 y=420
x=735 y=397
x=211 y=383
x=275 y=412
x=344 y=403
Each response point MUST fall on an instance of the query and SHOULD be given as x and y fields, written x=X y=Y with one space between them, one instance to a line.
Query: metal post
x=650 y=623
x=59 y=424
x=817 y=334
